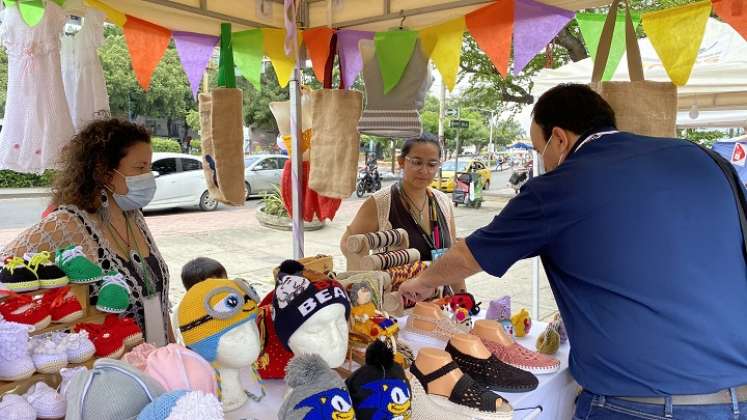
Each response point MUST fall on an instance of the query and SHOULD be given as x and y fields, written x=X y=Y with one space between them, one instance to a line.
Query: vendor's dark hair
x=573 y=107
x=89 y=159
x=425 y=138
x=202 y=268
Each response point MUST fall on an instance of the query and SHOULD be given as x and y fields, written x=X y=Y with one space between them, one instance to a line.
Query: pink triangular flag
x=350 y=55
x=535 y=25
x=195 y=51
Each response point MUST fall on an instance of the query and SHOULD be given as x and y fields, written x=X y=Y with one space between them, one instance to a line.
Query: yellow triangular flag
x=443 y=44
x=115 y=16
x=676 y=35
x=274 y=42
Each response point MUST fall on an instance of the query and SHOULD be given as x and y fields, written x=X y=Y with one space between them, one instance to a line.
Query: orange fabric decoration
x=492 y=27
x=318 y=42
x=734 y=12
x=147 y=43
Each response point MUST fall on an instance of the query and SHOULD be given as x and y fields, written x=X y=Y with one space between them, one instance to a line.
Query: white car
x=262 y=173
x=180 y=182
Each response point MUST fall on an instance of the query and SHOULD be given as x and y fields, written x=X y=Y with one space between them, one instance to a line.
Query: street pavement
x=234 y=237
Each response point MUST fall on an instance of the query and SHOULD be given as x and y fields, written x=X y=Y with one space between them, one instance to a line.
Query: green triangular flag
x=248 y=47
x=592 y=25
x=393 y=51
x=226 y=73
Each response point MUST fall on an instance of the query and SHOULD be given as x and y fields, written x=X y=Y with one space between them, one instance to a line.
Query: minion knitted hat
x=212 y=308
x=297 y=299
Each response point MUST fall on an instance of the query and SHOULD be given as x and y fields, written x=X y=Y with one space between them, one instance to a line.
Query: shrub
x=196 y=147
x=273 y=204
x=161 y=144
x=11 y=179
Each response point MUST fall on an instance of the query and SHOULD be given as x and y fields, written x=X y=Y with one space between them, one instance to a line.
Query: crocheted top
x=443 y=329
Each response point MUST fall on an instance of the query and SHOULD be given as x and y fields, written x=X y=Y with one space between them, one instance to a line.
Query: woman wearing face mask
x=426 y=214
x=104 y=180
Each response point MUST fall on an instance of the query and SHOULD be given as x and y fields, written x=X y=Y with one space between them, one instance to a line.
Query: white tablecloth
x=555 y=394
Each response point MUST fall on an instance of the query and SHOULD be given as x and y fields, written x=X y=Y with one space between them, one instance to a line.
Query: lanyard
x=436 y=239
x=595 y=136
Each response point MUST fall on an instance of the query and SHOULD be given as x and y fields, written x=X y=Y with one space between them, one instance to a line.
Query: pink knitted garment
x=519 y=356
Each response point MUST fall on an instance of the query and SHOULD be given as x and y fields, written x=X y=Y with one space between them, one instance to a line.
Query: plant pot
x=283 y=222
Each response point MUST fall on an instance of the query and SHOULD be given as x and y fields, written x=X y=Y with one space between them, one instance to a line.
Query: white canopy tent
x=713 y=119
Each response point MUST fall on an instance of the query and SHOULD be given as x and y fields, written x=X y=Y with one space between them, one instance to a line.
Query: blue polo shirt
x=641 y=242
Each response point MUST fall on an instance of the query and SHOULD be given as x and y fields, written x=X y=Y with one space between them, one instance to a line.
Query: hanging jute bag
x=335 y=141
x=642 y=107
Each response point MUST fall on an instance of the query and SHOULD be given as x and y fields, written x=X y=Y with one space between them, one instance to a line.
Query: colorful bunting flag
x=274 y=43
x=247 y=53
x=535 y=25
x=32 y=11
x=592 y=25
x=194 y=52
x=393 y=52
x=226 y=71
x=350 y=54
x=112 y=15
x=318 y=43
x=492 y=28
x=147 y=43
x=443 y=44
x=676 y=35
x=734 y=12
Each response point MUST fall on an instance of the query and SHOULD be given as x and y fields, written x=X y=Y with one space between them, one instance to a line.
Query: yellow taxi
x=447 y=183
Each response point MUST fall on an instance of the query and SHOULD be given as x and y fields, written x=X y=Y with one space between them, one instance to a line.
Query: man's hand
x=415 y=290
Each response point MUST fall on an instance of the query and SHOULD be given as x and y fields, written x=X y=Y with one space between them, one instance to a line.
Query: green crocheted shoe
x=114 y=295
x=77 y=266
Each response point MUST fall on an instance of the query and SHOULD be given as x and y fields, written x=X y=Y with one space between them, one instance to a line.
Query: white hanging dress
x=37 y=120
x=85 y=87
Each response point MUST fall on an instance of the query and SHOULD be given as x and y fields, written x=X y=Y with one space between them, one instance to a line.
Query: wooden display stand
x=90 y=314
x=320 y=263
x=359 y=249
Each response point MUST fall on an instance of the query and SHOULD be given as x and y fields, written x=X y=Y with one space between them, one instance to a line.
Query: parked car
x=446 y=182
x=262 y=173
x=180 y=182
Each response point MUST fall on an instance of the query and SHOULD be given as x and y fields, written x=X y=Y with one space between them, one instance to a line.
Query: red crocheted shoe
x=126 y=328
x=107 y=343
x=63 y=304
x=24 y=309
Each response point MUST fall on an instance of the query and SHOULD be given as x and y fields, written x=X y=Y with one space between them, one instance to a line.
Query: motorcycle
x=369 y=180
x=519 y=177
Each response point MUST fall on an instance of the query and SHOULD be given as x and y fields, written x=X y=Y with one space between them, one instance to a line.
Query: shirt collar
x=586 y=134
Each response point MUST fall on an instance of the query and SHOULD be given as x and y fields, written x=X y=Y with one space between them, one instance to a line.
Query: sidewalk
x=9 y=193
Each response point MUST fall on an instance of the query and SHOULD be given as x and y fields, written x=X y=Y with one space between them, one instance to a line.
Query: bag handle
x=635 y=64
x=330 y=64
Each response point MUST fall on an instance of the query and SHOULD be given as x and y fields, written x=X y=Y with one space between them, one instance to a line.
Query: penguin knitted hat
x=210 y=309
x=297 y=299
x=317 y=392
x=183 y=405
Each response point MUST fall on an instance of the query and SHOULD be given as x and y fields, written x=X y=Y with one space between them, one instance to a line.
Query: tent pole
x=296 y=157
x=535 y=260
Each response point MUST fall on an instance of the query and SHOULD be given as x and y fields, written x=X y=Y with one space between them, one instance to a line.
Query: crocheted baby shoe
x=16 y=407
x=77 y=346
x=49 y=274
x=125 y=327
x=77 y=266
x=522 y=323
x=67 y=375
x=107 y=343
x=15 y=361
x=63 y=304
x=114 y=295
x=48 y=356
x=16 y=276
x=47 y=403
x=24 y=309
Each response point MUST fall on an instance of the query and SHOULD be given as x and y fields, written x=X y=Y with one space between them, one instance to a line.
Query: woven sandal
x=468 y=400
x=443 y=329
x=521 y=357
x=492 y=373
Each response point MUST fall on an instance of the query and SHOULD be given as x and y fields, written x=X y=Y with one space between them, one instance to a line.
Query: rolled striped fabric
x=390 y=259
x=403 y=123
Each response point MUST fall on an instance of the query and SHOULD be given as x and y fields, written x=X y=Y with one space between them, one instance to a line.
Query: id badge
x=155 y=332
x=437 y=253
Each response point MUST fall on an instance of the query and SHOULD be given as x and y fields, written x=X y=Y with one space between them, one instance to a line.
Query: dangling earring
x=104 y=207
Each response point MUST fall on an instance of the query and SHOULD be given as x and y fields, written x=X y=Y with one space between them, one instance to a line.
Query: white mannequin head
x=325 y=333
x=239 y=348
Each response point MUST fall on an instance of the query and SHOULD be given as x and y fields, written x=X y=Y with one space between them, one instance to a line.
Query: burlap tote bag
x=641 y=107
x=335 y=141
x=221 y=128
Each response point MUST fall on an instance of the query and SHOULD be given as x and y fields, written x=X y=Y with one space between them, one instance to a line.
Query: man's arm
x=452 y=268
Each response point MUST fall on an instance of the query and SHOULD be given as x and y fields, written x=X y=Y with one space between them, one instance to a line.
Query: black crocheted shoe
x=467 y=394
x=492 y=373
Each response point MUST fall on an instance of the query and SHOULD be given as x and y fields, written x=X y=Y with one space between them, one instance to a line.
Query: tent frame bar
x=388 y=15
x=203 y=11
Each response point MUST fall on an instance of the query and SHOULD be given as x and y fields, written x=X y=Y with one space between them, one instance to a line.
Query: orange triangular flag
x=147 y=43
x=318 y=42
x=734 y=12
x=492 y=28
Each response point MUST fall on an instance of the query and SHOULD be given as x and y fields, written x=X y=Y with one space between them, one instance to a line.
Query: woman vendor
x=424 y=213
x=104 y=181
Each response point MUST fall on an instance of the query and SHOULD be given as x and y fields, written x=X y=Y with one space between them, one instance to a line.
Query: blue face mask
x=140 y=191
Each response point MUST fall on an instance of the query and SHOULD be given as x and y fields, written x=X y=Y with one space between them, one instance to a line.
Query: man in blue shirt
x=641 y=242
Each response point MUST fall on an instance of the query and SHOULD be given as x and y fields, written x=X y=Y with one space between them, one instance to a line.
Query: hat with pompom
x=316 y=391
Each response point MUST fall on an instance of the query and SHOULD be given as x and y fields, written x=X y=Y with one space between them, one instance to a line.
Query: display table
x=555 y=394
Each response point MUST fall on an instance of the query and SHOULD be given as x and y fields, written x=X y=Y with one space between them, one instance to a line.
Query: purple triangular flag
x=194 y=52
x=535 y=25
x=347 y=48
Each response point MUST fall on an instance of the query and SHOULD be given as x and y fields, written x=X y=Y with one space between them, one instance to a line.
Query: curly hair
x=90 y=157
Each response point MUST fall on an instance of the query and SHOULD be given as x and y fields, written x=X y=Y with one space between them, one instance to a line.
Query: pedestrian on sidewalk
x=641 y=241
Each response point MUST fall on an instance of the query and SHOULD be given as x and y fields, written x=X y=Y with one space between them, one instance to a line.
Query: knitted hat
x=178 y=368
x=297 y=299
x=183 y=405
x=317 y=392
x=380 y=389
x=210 y=309
x=111 y=390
